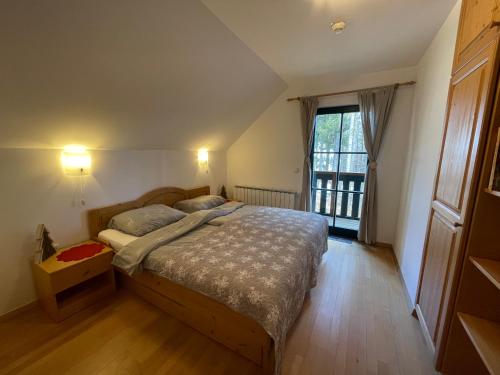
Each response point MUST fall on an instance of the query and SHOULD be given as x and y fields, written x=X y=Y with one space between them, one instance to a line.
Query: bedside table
x=65 y=288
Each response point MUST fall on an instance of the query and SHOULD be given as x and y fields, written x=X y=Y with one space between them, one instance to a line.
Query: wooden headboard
x=98 y=218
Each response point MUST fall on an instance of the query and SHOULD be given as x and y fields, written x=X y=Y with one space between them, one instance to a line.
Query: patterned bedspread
x=260 y=264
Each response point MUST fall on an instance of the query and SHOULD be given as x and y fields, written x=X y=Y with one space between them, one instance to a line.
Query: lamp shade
x=76 y=160
x=203 y=155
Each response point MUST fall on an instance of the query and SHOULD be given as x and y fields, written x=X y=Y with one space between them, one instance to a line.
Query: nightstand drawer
x=79 y=272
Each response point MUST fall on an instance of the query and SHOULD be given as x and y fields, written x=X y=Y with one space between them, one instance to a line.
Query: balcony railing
x=349 y=196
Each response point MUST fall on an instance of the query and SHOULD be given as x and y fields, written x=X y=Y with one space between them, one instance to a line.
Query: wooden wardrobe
x=463 y=232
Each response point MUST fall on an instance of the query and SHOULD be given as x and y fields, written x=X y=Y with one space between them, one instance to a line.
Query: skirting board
x=409 y=302
x=18 y=311
x=425 y=332
x=384 y=245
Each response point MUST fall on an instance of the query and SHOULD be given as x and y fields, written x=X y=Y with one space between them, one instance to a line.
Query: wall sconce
x=76 y=160
x=203 y=158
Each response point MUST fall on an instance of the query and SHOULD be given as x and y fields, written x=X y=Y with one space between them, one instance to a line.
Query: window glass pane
x=328 y=205
x=352 y=133
x=352 y=171
x=358 y=214
x=327 y=132
x=348 y=210
x=324 y=170
x=323 y=201
x=325 y=162
x=338 y=209
x=316 y=200
x=353 y=163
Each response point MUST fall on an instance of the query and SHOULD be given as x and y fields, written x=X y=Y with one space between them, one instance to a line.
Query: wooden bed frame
x=213 y=319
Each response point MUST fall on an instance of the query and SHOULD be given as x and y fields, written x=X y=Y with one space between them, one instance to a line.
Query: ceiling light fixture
x=338 y=27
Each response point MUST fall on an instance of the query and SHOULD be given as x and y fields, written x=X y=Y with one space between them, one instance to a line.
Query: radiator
x=265 y=197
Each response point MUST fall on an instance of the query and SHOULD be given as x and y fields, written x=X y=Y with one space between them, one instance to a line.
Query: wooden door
x=442 y=251
x=468 y=96
x=477 y=16
x=458 y=171
x=478 y=22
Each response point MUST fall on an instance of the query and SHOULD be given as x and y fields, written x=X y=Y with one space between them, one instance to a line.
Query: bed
x=246 y=301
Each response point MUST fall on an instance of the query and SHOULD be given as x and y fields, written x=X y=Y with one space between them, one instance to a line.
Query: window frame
x=327 y=111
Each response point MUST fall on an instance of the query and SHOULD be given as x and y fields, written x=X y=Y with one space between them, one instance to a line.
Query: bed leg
x=268 y=360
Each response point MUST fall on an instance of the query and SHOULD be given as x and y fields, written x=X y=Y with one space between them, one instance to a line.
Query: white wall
x=34 y=190
x=270 y=152
x=433 y=74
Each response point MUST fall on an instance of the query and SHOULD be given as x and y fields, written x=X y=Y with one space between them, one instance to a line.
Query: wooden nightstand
x=64 y=288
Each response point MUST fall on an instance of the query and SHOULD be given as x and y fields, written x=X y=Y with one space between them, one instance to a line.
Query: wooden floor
x=356 y=321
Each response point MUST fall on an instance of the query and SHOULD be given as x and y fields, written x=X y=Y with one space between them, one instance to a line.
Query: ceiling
x=153 y=74
x=126 y=74
x=293 y=36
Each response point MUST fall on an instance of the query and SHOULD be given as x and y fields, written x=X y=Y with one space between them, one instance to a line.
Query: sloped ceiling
x=126 y=74
x=293 y=36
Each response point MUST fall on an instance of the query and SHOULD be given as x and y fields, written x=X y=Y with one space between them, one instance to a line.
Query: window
x=339 y=161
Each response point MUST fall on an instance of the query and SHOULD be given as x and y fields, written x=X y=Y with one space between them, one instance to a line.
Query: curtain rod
x=409 y=83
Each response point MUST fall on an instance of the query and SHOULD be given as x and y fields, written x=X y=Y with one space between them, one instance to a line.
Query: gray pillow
x=143 y=220
x=203 y=202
